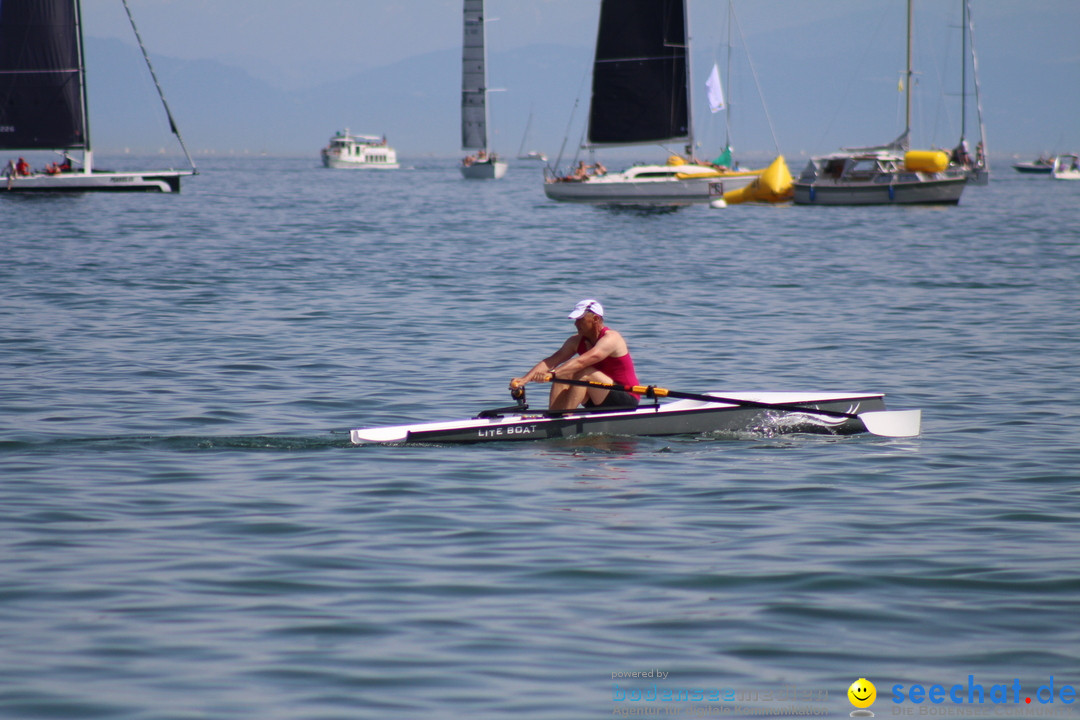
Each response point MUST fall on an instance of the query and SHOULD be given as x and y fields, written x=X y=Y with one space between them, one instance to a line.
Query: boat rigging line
x=753 y=72
x=570 y=123
x=161 y=93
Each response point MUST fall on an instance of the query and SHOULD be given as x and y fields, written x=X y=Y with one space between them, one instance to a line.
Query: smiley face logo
x=862 y=693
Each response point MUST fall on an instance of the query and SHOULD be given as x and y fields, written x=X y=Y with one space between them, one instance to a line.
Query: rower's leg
x=568 y=397
x=565 y=397
x=597 y=395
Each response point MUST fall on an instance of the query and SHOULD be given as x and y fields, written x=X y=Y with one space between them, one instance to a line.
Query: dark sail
x=639 y=92
x=40 y=78
x=474 y=79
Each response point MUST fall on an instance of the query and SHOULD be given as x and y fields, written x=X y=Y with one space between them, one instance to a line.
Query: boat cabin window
x=863 y=167
x=834 y=168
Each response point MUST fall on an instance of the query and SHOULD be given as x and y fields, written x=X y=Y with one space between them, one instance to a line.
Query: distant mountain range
x=816 y=104
x=221 y=109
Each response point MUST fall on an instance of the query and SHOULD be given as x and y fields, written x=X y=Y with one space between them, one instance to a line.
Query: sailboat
x=43 y=103
x=977 y=168
x=531 y=154
x=886 y=174
x=484 y=164
x=641 y=96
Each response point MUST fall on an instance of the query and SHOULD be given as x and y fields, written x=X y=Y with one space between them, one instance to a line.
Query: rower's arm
x=605 y=347
x=543 y=368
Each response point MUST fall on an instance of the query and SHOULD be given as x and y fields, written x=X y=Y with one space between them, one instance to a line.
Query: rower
x=601 y=357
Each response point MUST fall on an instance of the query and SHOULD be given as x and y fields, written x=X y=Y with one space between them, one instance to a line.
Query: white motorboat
x=360 y=152
x=44 y=105
x=483 y=164
x=1066 y=167
x=1039 y=166
x=761 y=413
x=884 y=175
x=641 y=96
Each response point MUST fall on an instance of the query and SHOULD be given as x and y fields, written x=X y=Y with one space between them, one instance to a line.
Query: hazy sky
x=286 y=39
x=295 y=43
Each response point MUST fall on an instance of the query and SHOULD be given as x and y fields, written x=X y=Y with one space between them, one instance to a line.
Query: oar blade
x=397 y=433
x=893 y=423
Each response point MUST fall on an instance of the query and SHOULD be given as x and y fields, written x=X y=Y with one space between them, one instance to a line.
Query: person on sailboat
x=961 y=156
x=601 y=357
x=22 y=167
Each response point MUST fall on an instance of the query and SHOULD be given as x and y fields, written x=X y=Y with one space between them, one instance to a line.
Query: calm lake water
x=186 y=531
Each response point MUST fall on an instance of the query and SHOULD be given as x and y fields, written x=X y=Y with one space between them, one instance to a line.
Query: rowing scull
x=761 y=412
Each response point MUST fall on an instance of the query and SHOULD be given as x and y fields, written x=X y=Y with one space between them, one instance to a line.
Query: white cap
x=587 y=305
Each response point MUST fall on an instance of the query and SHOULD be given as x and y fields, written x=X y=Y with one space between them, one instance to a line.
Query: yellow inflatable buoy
x=931 y=161
x=772 y=186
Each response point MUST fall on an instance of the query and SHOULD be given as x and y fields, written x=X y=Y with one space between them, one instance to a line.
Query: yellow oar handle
x=636 y=389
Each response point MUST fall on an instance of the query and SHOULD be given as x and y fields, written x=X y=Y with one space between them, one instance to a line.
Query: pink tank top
x=619 y=369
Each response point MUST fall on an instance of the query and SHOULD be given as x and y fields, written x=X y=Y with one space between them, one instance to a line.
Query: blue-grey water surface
x=186 y=531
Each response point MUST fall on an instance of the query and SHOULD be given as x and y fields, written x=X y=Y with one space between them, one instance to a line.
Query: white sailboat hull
x=484 y=170
x=648 y=185
x=166 y=181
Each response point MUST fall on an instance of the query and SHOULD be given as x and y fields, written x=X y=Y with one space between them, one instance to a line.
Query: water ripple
x=188 y=532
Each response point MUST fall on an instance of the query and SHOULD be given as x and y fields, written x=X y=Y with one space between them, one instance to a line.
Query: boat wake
x=794 y=422
x=186 y=443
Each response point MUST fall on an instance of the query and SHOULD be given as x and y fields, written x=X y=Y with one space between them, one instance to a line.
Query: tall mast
x=970 y=29
x=84 y=104
x=689 y=87
x=727 y=109
x=963 y=71
x=907 y=87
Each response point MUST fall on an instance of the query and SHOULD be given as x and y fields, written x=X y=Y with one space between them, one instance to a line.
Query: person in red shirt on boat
x=601 y=357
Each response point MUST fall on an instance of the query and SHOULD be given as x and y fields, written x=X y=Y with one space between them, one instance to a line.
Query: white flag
x=715 y=91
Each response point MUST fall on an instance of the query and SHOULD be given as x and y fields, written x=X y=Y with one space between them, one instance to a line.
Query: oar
x=887 y=423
